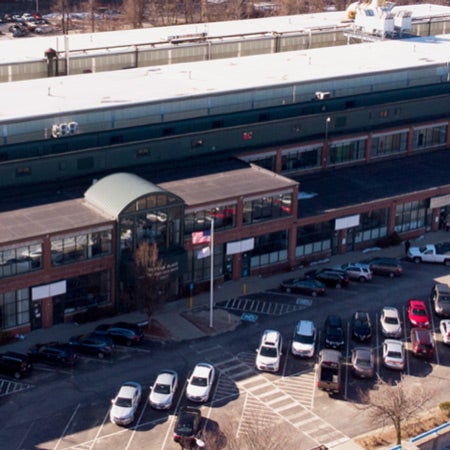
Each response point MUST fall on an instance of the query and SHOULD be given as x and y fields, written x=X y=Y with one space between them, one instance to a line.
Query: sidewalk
x=177 y=322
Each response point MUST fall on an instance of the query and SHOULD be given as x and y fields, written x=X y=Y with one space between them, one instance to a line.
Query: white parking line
x=100 y=428
x=136 y=426
x=67 y=426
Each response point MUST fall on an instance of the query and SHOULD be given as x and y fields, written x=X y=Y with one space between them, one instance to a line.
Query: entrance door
x=35 y=315
x=228 y=268
x=58 y=309
x=351 y=239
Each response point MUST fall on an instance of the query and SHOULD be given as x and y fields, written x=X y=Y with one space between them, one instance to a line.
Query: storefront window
x=389 y=144
x=372 y=225
x=315 y=238
x=269 y=249
x=200 y=266
x=410 y=216
x=87 y=291
x=14 y=308
x=20 y=259
x=430 y=137
x=224 y=218
x=344 y=152
x=296 y=160
x=267 y=208
x=88 y=245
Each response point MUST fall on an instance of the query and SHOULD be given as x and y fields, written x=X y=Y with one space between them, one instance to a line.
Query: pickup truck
x=329 y=371
x=438 y=253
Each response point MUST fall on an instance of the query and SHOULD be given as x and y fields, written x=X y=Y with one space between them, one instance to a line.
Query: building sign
x=48 y=290
x=347 y=222
x=439 y=202
x=240 y=246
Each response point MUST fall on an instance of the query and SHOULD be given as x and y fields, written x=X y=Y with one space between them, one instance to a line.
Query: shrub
x=445 y=408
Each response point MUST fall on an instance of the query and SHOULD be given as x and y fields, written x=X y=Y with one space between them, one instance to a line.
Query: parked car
x=199 y=384
x=330 y=277
x=122 y=332
x=268 y=354
x=391 y=326
x=363 y=362
x=187 y=426
x=15 y=364
x=308 y=286
x=163 y=390
x=440 y=298
x=334 y=332
x=304 y=339
x=417 y=313
x=394 y=354
x=357 y=271
x=92 y=344
x=56 y=353
x=444 y=328
x=385 y=266
x=422 y=343
x=125 y=403
x=361 y=326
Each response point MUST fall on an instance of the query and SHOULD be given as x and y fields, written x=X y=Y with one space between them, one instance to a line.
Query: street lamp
x=327 y=124
x=325 y=144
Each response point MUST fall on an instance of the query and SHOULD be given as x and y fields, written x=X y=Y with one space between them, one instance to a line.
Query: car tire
x=288 y=290
x=447 y=262
x=17 y=375
x=314 y=294
x=391 y=274
x=100 y=355
x=417 y=260
x=362 y=279
x=338 y=285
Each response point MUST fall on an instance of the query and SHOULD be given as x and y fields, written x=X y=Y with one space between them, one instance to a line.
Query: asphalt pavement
x=193 y=318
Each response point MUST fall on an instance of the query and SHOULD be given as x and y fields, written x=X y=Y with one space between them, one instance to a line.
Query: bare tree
x=151 y=279
x=134 y=11
x=395 y=403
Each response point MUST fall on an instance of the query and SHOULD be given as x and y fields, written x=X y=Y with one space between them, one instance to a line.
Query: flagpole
x=211 y=281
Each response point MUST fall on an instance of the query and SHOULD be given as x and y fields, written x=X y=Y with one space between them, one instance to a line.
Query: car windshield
x=303 y=339
x=270 y=352
x=363 y=362
x=123 y=402
x=419 y=312
x=185 y=426
x=391 y=320
x=444 y=299
x=394 y=354
x=162 y=389
x=199 y=381
x=361 y=324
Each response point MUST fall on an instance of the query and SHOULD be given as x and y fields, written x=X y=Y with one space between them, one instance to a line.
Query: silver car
x=363 y=362
x=357 y=271
x=391 y=326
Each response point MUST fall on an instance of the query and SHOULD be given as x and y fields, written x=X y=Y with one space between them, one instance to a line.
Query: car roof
x=416 y=303
x=390 y=311
x=270 y=336
x=393 y=343
x=334 y=320
x=165 y=377
x=304 y=326
x=202 y=369
x=128 y=389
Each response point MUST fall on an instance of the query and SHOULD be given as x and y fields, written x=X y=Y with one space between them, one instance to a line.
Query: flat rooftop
x=86 y=92
x=15 y=50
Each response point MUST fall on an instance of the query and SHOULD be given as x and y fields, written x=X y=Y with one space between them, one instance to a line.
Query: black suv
x=385 y=266
x=92 y=344
x=15 y=365
x=187 y=426
x=334 y=332
x=329 y=277
x=53 y=353
x=122 y=332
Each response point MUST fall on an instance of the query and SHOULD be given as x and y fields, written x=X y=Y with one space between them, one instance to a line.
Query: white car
x=200 y=382
x=125 y=404
x=391 y=326
x=268 y=354
x=444 y=327
x=304 y=339
x=394 y=354
x=163 y=390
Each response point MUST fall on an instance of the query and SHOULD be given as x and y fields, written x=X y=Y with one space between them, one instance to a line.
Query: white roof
x=32 y=48
x=53 y=96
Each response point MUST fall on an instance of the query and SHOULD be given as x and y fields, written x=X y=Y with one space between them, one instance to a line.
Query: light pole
x=327 y=124
x=211 y=281
x=325 y=144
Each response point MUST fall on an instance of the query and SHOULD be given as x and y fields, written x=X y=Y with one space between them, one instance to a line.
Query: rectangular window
x=389 y=144
x=300 y=160
x=23 y=171
x=410 y=216
x=224 y=218
x=314 y=239
x=344 y=152
x=14 y=308
x=21 y=259
x=269 y=249
x=267 y=208
x=429 y=137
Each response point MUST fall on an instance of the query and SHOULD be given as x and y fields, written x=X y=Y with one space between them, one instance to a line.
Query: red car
x=417 y=313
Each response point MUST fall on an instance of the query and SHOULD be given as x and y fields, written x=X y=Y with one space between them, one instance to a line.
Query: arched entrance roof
x=113 y=193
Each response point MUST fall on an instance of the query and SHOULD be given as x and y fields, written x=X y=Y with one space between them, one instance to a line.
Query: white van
x=268 y=354
x=304 y=340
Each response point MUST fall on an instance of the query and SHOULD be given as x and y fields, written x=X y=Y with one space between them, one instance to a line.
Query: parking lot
x=59 y=408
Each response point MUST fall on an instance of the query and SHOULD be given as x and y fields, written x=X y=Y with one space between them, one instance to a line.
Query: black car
x=122 y=332
x=53 y=353
x=187 y=426
x=385 y=266
x=334 y=332
x=309 y=286
x=15 y=364
x=330 y=277
x=361 y=326
x=92 y=344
